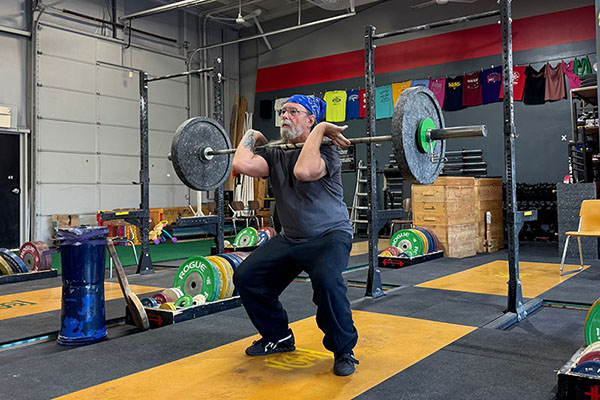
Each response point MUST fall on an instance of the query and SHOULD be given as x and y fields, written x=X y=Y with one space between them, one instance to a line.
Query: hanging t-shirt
x=398 y=88
x=491 y=84
x=352 y=105
x=471 y=90
x=336 y=105
x=438 y=87
x=419 y=82
x=535 y=86
x=555 y=83
x=278 y=106
x=582 y=67
x=384 y=107
x=362 y=99
x=574 y=81
x=453 y=97
x=518 y=83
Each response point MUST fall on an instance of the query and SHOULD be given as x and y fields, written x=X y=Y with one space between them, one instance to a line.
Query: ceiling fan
x=441 y=2
x=241 y=19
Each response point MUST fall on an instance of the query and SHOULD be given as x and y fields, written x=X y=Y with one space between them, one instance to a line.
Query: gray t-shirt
x=308 y=210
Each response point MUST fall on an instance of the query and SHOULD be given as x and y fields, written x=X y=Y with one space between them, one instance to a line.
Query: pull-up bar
x=186 y=73
x=437 y=24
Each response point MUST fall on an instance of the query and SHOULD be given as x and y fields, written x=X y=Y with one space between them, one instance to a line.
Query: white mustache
x=289 y=133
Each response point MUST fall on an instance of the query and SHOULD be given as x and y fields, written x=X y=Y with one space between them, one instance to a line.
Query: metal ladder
x=360 y=201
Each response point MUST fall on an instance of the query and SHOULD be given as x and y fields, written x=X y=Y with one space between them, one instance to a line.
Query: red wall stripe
x=528 y=33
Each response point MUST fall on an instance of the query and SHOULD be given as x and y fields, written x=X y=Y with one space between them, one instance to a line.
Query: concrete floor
x=432 y=336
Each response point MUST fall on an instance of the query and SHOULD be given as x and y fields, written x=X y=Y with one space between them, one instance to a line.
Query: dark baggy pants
x=269 y=269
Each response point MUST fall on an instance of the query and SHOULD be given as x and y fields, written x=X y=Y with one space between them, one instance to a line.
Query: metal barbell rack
x=376 y=219
x=140 y=217
x=516 y=310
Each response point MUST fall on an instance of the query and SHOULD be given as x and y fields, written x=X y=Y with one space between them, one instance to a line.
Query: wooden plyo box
x=448 y=207
x=458 y=240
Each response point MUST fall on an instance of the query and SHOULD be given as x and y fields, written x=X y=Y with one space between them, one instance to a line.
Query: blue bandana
x=313 y=104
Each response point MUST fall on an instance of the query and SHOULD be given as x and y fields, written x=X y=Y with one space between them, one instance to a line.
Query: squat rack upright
x=376 y=219
x=140 y=217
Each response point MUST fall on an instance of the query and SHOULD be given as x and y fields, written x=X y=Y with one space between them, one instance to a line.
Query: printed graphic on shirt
x=398 y=88
x=336 y=106
x=352 y=105
x=454 y=91
x=471 y=90
x=362 y=99
x=491 y=85
x=438 y=87
x=518 y=84
x=384 y=107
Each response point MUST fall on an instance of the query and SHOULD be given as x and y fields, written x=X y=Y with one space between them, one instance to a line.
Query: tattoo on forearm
x=249 y=142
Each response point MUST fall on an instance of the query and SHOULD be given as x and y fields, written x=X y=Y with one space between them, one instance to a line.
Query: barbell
x=201 y=151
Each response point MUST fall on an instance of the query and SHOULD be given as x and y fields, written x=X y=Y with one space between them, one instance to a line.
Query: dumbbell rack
x=542 y=197
x=465 y=163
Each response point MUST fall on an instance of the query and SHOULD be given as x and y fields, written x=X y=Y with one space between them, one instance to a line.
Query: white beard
x=288 y=131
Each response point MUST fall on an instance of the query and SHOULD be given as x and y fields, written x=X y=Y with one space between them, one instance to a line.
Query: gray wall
x=84 y=143
x=541 y=154
x=13 y=62
x=348 y=34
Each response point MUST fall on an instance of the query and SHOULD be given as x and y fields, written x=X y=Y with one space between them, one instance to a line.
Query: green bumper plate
x=409 y=242
x=197 y=275
x=592 y=324
x=246 y=237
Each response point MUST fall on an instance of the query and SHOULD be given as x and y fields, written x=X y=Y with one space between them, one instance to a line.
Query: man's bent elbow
x=304 y=175
x=240 y=167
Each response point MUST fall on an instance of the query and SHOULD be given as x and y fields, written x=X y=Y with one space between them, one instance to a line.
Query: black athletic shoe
x=263 y=347
x=344 y=364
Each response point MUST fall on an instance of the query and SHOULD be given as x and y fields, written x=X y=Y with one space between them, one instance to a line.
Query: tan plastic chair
x=254 y=206
x=240 y=213
x=589 y=226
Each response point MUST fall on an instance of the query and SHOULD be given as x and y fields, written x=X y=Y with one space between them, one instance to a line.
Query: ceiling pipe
x=260 y=29
x=292 y=28
x=168 y=7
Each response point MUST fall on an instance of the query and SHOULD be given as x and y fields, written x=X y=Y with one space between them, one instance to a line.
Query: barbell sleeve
x=457 y=132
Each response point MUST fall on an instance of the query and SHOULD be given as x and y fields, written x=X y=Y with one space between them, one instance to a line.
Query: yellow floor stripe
x=38 y=301
x=387 y=345
x=359 y=248
x=491 y=278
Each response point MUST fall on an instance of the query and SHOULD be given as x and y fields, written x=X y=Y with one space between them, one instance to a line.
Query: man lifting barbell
x=316 y=234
